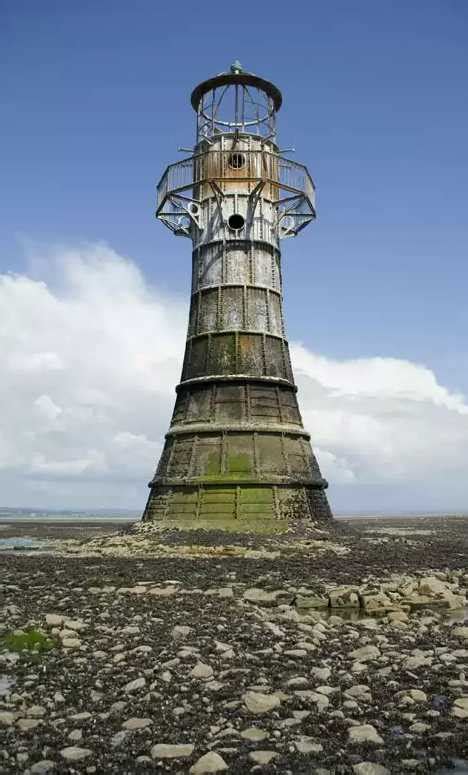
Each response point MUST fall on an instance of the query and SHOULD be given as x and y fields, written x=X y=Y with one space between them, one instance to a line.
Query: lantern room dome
x=236 y=75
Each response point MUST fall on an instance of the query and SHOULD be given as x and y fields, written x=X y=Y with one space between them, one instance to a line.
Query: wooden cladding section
x=237 y=456
x=238 y=263
x=237 y=403
x=239 y=353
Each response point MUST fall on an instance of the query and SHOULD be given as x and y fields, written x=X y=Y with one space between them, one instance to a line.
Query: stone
x=344 y=597
x=262 y=757
x=42 y=767
x=364 y=733
x=413 y=663
x=6 y=718
x=26 y=724
x=136 y=723
x=377 y=601
x=365 y=652
x=181 y=632
x=259 y=703
x=430 y=585
x=416 y=694
x=168 y=751
x=118 y=739
x=370 y=768
x=460 y=707
x=75 y=735
x=398 y=617
x=452 y=601
x=54 y=620
x=83 y=716
x=308 y=745
x=36 y=711
x=260 y=596
x=75 y=624
x=359 y=692
x=134 y=686
x=210 y=762
x=71 y=643
x=75 y=754
x=311 y=601
x=201 y=671
x=316 y=698
x=162 y=591
x=321 y=673
x=254 y=734
x=460 y=632
x=419 y=726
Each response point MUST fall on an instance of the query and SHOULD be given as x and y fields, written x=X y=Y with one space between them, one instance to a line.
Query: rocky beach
x=343 y=651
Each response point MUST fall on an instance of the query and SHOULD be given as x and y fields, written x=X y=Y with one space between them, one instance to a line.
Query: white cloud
x=90 y=355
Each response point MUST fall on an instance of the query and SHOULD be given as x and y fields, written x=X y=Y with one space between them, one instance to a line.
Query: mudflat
x=341 y=651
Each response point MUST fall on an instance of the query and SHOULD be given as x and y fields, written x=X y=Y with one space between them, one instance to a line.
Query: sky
x=94 y=292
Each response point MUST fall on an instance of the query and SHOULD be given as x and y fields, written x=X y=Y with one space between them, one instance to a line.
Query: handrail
x=212 y=166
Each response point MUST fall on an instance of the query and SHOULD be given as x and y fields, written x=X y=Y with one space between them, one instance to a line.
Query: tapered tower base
x=238 y=506
x=236 y=453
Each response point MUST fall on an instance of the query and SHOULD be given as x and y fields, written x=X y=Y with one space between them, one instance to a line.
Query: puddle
x=399 y=531
x=457 y=767
x=358 y=614
x=6 y=684
x=23 y=542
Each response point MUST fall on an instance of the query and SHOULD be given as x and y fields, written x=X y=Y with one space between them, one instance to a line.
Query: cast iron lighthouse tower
x=236 y=448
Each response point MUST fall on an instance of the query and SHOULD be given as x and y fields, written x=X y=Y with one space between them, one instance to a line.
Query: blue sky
x=95 y=102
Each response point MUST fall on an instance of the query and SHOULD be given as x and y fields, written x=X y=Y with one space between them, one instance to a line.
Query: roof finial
x=236 y=67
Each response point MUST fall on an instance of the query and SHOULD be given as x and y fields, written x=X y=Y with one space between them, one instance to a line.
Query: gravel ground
x=211 y=652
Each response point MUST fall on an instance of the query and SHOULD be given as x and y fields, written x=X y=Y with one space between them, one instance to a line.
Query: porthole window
x=236 y=222
x=236 y=160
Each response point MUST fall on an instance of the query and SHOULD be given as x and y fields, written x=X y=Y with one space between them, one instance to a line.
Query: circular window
x=236 y=222
x=236 y=160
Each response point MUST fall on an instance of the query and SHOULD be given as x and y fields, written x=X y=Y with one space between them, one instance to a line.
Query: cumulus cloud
x=90 y=354
x=89 y=359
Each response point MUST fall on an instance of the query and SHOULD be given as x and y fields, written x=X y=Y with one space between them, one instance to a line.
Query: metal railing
x=283 y=175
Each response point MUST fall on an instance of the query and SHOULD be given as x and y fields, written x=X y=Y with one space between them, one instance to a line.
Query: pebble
x=259 y=703
x=136 y=723
x=262 y=757
x=42 y=767
x=26 y=724
x=254 y=734
x=201 y=671
x=75 y=754
x=210 y=762
x=181 y=632
x=134 y=686
x=370 y=768
x=365 y=653
x=461 y=632
x=308 y=745
x=460 y=707
x=54 y=620
x=168 y=751
x=364 y=733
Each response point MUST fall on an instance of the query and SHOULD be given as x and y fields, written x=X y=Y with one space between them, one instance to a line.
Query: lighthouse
x=236 y=454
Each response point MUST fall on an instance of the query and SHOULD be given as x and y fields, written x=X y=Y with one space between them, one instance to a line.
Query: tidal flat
x=342 y=651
